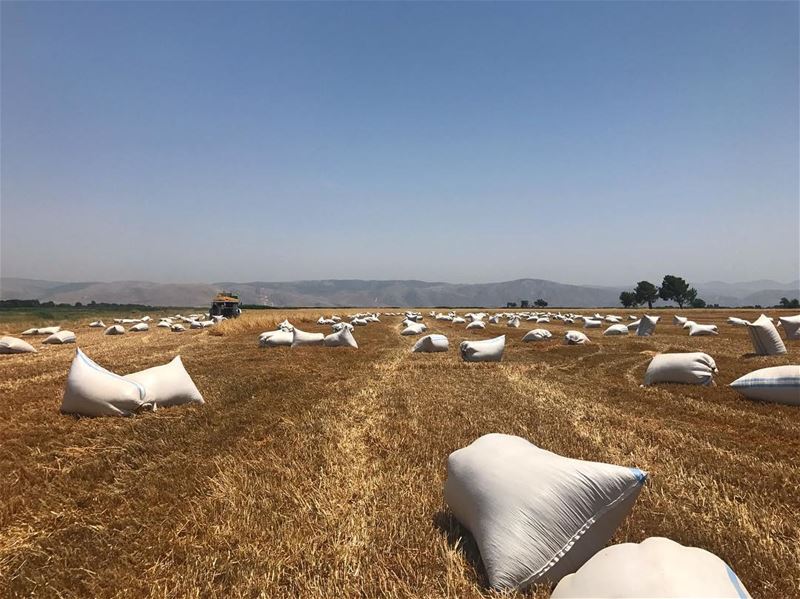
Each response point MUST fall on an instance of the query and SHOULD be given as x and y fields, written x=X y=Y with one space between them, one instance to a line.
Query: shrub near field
x=319 y=472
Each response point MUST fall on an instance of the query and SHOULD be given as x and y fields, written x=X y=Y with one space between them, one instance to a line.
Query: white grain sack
x=791 y=325
x=94 y=391
x=691 y=368
x=414 y=329
x=431 y=343
x=12 y=345
x=698 y=330
x=487 y=350
x=765 y=337
x=616 y=329
x=780 y=384
x=167 y=385
x=535 y=515
x=537 y=335
x=116 y=329
x=575 y=338
x=655 y=568
x=279 y=338
x=737 y=322
x=301 y=338
x=476 y=324
x=341 y=338
x=60 y=338
x=647 y=326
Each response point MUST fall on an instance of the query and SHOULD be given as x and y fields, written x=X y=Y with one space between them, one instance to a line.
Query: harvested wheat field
x=319 y=472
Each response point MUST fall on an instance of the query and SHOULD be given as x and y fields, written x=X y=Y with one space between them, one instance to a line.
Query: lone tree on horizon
x=677 y=290
x=628 y=299
x=646 y=293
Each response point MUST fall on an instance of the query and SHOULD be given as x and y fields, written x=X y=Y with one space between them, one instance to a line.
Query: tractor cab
x=225 y=304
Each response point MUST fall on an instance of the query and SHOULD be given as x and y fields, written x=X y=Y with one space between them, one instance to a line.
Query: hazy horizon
x=583 y=143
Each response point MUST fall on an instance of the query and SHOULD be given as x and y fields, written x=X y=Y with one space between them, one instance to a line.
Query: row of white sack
x=764 y=335
x=12 y=345
x=342 y=337
x=92 y=390
x=779 y=384
x=167 y=323
x=541 y=518
x=358 y=320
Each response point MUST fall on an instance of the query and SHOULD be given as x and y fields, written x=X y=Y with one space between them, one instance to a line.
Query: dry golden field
x=318 y=472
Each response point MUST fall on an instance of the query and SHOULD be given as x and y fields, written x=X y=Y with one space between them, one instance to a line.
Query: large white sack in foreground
x=791 y=324
x=304 y=338
x=115 y=329
x=655 y=568
x=765 y=337
x=12 y=345
x=780 y=384
x=486 y=350
x=60 y=337
x=692 y=368
x=647 y=326
x=431 y=343
x=575 y=338
x=537 y=335
x=341 y=338
x=616 y=329
x=94 y=391
x=167 y=385
x=536 y=516
x=476 y=324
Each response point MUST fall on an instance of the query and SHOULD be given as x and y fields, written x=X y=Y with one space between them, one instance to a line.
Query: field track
x=319 y=472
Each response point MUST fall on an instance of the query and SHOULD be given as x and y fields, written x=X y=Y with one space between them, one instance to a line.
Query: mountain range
x=338 y=292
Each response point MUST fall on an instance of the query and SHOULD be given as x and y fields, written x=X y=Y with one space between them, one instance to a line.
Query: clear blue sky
x=465 y=142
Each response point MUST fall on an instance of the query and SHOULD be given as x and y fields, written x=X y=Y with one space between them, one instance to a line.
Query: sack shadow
x=461 y=540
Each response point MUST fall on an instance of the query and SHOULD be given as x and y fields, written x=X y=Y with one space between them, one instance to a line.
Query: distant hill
x=373 y=293
x=121 y=292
